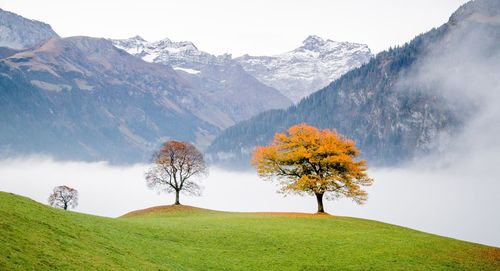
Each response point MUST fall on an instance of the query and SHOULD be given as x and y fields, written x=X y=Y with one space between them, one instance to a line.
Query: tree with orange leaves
x=313 y=161
x=174 y=167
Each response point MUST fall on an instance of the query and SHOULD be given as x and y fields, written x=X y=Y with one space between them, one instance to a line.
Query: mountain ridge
x=313 y=65
x=226 y=83
x=19 y=33
x=92 y=101
x=401 y=105
x=82 y=98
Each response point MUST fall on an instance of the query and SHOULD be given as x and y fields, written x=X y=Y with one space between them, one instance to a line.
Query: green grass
x=36 y=237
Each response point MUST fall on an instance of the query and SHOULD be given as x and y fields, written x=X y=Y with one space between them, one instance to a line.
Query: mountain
x=19 y=33
x=406 y=102
x=183 y=55
x=308 y=68
x=224 y=82
x=83 y=98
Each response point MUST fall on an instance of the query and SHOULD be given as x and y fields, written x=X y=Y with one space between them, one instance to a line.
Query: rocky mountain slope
x=308 y=68
x=20 y=33
x=224 y=82
x=82 y=98
x=407 y=101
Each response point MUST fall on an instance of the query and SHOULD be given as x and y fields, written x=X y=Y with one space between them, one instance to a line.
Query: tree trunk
x=177 y=197
x=65 y=206
x=319 y=198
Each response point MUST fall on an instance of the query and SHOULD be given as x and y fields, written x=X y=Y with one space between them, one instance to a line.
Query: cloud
x=464 y=68
x=110 y=190
x=454 y=190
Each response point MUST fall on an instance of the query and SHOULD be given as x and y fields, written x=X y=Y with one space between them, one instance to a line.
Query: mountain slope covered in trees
x=403 y=103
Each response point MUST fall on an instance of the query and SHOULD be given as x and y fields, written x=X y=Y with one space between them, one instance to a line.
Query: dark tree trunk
x=65 y=206
x=177 y=197
x=319 y=198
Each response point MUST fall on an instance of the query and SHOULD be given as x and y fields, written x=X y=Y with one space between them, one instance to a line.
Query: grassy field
x=36 y=237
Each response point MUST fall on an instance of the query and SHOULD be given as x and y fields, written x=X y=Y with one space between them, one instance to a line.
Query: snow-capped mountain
x=19 y=33
x=222 y=80
x=406 y=102
x=182 y=55
x=308 y=68
x=82 y=98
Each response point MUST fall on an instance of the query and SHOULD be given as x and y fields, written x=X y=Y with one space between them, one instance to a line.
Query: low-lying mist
x=453 y=201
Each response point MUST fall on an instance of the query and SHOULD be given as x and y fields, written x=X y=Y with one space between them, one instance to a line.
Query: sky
x=257 y=27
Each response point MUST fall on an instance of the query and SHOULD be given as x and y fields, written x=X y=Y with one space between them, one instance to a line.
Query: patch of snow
x=150 y=57
x=191 y=71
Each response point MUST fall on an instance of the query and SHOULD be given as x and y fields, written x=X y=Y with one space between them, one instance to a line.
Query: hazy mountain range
x=294 y=74
x=116 y=100
x=222 y=81
x=406 y=102
x=82 y=98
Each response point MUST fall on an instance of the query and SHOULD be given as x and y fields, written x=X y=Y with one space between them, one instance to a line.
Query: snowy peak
x=180 y=55
x=320 y=45
x=220 y=79
x=17 y=32
x=136 y=41
x=167 y=44
x=313 y=43
x=313 y=65
x=134 y=46
x=138 y=38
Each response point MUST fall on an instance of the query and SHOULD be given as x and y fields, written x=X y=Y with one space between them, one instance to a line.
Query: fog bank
x=448 y=202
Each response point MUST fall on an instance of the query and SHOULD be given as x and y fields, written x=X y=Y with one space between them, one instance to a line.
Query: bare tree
x=174 y=166
x=63 y=197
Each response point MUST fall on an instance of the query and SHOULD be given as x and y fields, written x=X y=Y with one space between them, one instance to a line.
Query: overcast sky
x=257 y=27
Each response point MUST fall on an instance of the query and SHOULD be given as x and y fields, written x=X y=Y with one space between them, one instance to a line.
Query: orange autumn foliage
x=314 y=161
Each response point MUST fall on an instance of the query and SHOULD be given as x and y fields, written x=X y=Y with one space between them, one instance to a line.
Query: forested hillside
x=396 y=106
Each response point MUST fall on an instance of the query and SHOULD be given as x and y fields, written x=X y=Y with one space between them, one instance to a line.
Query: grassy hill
x=36 y=237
